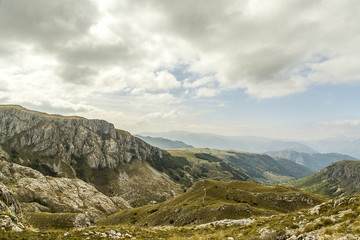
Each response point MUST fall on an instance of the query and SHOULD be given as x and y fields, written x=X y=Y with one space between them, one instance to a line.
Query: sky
x=274 y=68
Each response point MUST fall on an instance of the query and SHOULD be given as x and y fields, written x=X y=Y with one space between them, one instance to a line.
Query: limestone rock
x=39 y=193
x=9 y=211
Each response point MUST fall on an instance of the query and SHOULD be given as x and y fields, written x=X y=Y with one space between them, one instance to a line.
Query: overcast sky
x=276 y=68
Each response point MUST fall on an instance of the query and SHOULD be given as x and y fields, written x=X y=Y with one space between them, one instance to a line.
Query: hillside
x=258 y=167
x=338 y=179
x=163 y=142
x=314 y=161
x=210 y=200
x=204 y=164
x=334 y=219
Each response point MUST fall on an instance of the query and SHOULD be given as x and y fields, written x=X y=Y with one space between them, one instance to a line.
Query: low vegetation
x=241 y=165
x=334 y=219
x=210 y=200
x=338 y=179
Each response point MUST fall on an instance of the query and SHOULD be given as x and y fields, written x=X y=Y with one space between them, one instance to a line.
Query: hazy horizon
x=278 y=69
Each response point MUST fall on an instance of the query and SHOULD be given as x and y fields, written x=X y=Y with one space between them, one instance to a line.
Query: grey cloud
x=47 y=27
x=100 y=54
x=45 y=22
x=77 y=74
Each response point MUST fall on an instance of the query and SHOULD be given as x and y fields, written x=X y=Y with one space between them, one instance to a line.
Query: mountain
x=344 y=145
x=112 y=160
x=258 y=167
x=314 y=161
x=163 y=142
x=247 y=144
x=210 y=200
x=338 y=179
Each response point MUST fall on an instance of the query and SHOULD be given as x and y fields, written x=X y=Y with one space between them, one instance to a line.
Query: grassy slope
x=340 y=178
x=210 y=200
x=259 y=167
x=207 y=166
x=335 y=219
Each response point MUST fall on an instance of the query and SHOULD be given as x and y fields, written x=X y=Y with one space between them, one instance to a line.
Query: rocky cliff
x=114 y=161
x=65 y=139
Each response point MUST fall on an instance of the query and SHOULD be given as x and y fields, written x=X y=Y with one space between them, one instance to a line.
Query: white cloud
x=206 y=92
x=341 y=123
x=164 y=115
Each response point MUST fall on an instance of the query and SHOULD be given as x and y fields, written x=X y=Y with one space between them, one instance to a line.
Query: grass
x=210 y=200
x=42 y=220
x=259 y=167
x=280 y=226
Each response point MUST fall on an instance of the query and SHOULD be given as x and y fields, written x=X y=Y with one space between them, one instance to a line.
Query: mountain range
x=240 y=143
x=314 y=161
x=343 y=145
x=163 y=142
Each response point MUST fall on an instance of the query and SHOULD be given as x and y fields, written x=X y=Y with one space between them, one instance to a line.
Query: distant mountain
x=208 y=201
x=163 y=142
x=338 y=179
x=213 y=164
x=314 y=161
x=241 y=143
x=344 y=145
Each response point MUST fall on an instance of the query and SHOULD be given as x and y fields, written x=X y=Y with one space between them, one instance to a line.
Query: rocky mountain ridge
x=52 y=135
x=114 y=161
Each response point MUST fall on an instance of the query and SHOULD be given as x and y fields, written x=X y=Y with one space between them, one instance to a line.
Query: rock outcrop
x=39 y=193
x=9 y=211
x=91 y=150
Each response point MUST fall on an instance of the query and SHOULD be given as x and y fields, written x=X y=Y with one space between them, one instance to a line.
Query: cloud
x=89 y=55
x=206 y=92
x=3 y=86
x=341 y=123
x=164 y=115
x=249 y=46
x=263 y=48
